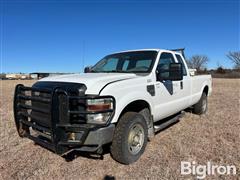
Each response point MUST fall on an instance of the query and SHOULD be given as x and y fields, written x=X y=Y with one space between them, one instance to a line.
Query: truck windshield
x=127 y=62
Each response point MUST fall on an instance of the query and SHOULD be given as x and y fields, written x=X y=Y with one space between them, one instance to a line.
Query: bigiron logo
x=201 y=171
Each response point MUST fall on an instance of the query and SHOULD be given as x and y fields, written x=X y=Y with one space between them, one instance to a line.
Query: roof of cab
x=134 y=50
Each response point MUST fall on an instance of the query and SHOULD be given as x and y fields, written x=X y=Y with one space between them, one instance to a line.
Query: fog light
x=71 y=136
x=74 y=136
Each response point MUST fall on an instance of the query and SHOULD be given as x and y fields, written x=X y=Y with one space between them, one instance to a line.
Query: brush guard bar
x=54 y=133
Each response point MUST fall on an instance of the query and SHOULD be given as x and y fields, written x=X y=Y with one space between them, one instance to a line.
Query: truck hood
x=94 y=81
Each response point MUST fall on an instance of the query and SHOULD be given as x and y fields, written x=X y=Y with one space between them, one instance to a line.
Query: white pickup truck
x=122 y=101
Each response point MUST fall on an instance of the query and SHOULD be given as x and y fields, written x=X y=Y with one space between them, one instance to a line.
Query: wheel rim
x=204 y=105
x=135 y=139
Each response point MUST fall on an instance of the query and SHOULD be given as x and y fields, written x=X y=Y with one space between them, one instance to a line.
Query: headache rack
x=181 y=50
x=53 y=114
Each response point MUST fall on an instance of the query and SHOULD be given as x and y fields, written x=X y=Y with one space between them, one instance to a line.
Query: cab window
x=109 y=64
x=163 y=64
x=180 y=60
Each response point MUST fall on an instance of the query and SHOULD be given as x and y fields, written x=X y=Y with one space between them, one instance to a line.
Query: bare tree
x=198 y=62
x=235 y=58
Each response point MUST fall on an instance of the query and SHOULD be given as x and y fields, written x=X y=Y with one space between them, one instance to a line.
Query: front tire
x=202 y=105
x=130 y=138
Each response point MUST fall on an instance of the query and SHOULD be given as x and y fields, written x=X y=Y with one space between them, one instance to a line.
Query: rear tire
x=130 y=138
x=202 y=105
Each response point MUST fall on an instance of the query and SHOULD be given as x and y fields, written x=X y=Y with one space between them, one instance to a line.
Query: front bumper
x=86 y=140
x=55 y=131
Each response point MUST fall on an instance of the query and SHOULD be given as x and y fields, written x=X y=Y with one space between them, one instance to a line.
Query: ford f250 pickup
x=121 y=101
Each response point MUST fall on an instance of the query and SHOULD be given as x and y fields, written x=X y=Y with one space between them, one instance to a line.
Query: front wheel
x=130 y=138
x=202 y=105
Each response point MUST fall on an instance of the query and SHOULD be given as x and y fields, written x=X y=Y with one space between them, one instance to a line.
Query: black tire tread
x=117 y=149
x=197 y=108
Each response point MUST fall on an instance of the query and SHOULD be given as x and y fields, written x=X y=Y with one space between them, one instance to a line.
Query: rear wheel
x=202 y=105
x=130 y=138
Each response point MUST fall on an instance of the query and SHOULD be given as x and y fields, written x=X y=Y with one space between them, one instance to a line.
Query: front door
x=169 y=94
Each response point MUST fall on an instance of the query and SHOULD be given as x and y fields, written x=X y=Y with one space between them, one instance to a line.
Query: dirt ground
x=213 y=137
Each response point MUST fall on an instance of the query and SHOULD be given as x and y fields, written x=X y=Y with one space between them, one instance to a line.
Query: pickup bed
x=122 y=101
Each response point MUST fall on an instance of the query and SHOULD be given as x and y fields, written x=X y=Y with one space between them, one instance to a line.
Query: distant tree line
x=199 y=62
x=234 y=58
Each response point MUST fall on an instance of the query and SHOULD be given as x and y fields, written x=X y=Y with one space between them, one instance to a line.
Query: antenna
x=83 y=55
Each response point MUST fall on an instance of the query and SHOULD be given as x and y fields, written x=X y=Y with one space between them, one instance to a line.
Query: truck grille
x=34 y=105
x=46 y=101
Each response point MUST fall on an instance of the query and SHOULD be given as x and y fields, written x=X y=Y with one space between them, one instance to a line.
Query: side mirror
x=87 y=69
x=173 y=73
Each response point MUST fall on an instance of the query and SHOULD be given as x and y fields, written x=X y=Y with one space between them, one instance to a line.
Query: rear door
x=184 y=93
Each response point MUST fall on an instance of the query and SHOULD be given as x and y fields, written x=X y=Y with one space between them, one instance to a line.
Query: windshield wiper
x=116 y=71
x=120 y=71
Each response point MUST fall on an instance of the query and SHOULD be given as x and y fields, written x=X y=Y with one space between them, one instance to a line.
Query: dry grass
x=213 y=137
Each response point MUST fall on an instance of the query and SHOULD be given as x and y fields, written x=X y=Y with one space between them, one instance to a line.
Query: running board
x=162 y=124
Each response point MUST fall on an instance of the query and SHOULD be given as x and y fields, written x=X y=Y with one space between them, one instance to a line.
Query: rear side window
x=180 y=60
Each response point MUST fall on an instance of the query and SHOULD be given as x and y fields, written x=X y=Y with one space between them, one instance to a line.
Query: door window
x=163 y=64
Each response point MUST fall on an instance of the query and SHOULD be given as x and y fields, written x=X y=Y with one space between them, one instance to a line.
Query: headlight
x=102 y=109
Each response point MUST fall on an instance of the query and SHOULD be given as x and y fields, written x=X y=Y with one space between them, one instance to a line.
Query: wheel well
x=142 y=107
x=136 y=106
x=205 y=90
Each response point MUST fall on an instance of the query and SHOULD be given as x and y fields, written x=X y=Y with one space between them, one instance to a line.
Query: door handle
x=181 y=85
